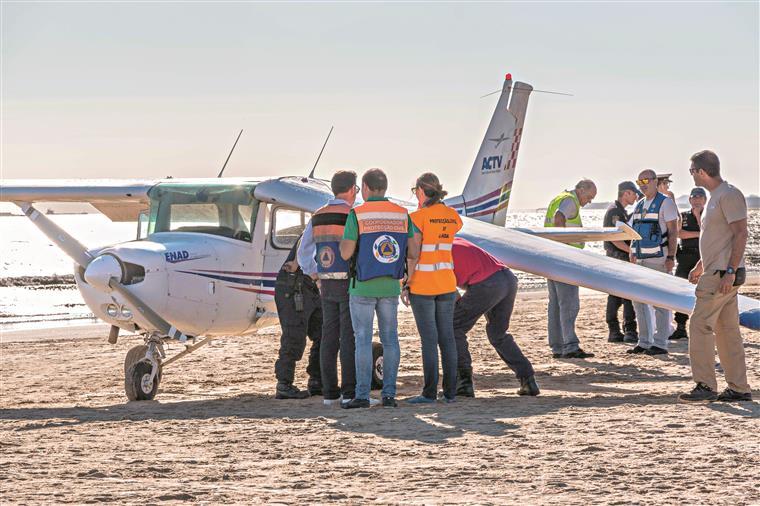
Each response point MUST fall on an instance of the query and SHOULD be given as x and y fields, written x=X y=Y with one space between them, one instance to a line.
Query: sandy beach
x=605 y=430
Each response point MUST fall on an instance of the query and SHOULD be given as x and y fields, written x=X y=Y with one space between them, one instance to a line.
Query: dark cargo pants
x=296 y=325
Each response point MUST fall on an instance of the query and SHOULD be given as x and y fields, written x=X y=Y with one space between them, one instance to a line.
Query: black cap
x=628 y=185
x=698 y=191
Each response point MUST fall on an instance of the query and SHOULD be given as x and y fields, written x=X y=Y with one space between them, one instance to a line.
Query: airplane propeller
x=103 y=272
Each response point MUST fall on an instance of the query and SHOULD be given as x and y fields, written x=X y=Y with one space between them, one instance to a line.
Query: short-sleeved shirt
x=726 y=206
x=384 y=286
x=473 y=264
x=668 y=212
x=615 y=213
x=568 y=208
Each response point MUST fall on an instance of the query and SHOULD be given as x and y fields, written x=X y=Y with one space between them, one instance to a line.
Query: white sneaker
x=333 y=402
x=343 y=401
x=374 y=402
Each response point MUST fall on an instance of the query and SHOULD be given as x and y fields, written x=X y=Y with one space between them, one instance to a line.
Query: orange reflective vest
x=434 y=274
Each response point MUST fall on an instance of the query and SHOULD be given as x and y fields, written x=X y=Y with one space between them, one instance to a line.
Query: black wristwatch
x=671 y=257
x=730 y=270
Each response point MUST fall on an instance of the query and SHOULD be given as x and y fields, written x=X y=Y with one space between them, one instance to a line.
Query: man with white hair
x=564 y=301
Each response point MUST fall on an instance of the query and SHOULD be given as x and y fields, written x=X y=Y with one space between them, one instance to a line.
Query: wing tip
x=750 y=319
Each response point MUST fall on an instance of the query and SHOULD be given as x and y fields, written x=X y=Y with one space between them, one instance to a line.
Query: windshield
x=217 y=209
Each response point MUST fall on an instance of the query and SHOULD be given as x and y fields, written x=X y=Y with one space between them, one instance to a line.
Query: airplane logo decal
x=175 y=257
x=498 y=140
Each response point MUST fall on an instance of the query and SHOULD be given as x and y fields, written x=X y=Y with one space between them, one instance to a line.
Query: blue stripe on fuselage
x=231 y=279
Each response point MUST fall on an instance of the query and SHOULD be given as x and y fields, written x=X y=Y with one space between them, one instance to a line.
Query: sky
x=102 y=90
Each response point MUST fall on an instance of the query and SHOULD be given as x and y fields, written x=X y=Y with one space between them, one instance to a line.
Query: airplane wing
x=120 y=200
x=583 y=234
x=297 y=192
x=567 y=264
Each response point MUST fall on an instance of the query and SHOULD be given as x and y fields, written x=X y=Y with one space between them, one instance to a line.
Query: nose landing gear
x=142 y=370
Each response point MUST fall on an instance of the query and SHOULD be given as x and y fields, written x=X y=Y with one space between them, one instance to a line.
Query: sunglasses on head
x=643 y=181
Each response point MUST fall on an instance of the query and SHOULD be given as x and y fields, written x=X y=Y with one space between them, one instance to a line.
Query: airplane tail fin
x=486 y=194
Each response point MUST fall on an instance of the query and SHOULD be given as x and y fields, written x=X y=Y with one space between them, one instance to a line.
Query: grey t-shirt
x=568 y=208
x=726 y=205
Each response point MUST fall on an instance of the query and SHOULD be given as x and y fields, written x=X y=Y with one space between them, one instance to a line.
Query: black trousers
x=337 y=336
x=296 y=326
x=495 y=298
x=687 y=259
x=614 y=302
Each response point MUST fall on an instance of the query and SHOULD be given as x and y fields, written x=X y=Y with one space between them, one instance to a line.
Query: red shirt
x=473 y=264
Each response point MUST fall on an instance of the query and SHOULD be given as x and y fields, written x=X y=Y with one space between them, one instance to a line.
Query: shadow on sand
x=437 y=423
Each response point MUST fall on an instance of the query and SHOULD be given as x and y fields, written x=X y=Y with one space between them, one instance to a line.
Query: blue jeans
x=362 y=317
x=434 y=315
x=564 y=304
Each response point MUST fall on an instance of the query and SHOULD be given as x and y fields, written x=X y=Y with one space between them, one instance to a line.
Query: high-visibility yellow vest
x=554 y=207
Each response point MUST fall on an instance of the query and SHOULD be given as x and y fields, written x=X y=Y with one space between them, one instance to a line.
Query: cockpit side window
x=287 y=226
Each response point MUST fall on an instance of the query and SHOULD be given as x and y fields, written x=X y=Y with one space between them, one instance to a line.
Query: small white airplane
x=207 y=251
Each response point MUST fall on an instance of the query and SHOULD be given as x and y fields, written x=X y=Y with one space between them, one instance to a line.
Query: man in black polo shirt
x=688 y=249
x=628 y=194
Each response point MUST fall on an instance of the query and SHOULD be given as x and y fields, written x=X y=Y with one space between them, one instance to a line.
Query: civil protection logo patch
x=386 y=249
x=326 y=257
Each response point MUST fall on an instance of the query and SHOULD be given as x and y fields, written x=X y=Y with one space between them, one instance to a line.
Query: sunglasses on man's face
x=414 y=189
x=643 y=181
x=693 y=170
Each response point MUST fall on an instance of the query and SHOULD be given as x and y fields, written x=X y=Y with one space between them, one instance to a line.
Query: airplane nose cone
x=100 y=271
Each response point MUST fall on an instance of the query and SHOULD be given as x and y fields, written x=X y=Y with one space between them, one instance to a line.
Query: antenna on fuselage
x=228 y=156
x=311 y=174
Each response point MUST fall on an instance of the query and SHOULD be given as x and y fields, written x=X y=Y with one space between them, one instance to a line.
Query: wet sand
x=605 y=430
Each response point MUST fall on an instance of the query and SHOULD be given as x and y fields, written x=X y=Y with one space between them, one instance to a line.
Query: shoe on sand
x=729 y=395
x=700 y=393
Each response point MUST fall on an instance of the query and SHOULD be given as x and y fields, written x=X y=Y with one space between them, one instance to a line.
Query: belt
x=689 y=251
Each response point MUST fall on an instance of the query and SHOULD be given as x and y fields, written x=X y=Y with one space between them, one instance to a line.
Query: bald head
x=585 y=189
x=648 y=183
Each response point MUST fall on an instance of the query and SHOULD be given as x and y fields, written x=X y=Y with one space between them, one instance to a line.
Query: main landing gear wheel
x=377 y=366
x=137 y=375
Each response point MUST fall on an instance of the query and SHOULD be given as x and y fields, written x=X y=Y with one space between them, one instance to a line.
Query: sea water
x=36 y=277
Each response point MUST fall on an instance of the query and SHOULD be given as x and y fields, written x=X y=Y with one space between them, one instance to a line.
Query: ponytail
x=432 y=188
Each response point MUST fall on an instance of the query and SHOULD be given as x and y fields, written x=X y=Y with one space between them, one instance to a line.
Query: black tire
x=135 y=354
x=135 y=382
x=377 y=366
